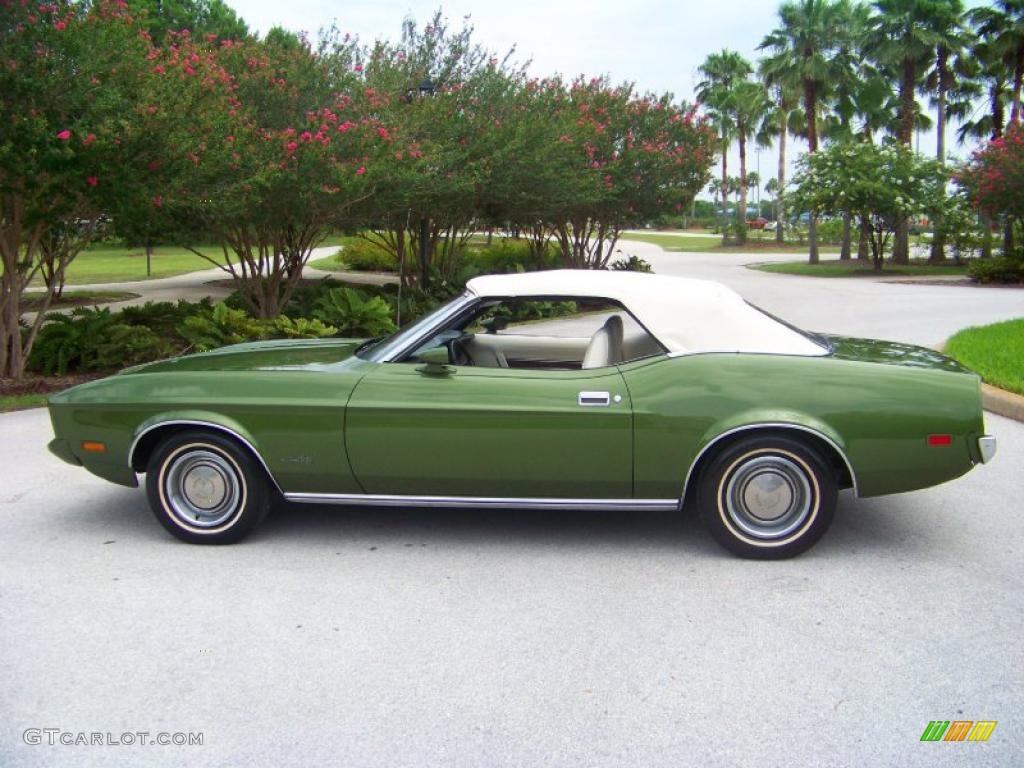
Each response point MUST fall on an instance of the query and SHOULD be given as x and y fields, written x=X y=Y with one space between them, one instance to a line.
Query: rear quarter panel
x=879 y=415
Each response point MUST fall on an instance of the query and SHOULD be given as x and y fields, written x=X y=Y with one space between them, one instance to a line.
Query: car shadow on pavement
x=861 y=526
x=486 y=527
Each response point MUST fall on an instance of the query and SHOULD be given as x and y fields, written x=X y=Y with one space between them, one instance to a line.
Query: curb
x=1002 y=402
x=996 y=400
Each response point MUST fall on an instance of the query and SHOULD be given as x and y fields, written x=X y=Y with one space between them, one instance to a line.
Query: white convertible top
x=684 y=314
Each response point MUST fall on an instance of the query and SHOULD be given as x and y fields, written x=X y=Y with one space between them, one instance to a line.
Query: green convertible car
x=554 y=390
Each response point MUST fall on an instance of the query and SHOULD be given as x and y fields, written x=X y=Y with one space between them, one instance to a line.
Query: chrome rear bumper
x=987 y=448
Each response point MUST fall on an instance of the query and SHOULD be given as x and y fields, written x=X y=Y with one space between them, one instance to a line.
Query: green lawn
x=332 y=263
x=995 y=352
x=714 y=244
x=855 y=268
x=18 y=402
x=107 y=264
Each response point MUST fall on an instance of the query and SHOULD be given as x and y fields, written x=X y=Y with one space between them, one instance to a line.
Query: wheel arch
x=829 y=447
x=151 y=432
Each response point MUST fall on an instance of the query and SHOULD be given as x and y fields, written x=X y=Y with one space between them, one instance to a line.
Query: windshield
x=384 y=349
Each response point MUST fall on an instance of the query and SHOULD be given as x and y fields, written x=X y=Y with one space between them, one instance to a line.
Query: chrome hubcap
x=202 y=488
x=768 y=497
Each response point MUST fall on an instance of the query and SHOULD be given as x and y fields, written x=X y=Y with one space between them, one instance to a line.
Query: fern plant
x=221 y=326
x=353 y=315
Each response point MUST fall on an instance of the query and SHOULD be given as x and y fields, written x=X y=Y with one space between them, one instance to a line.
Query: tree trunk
x=938 y=252
x=810 y=107
x=901 y=245
x=725 y=190
x=1018 y=81
x=741 y=214
x=1008 y=239
x=780 y=200
x=844 y=247
x=864 y=242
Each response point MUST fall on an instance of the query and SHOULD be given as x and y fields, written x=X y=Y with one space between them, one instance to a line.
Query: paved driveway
x=486 y=638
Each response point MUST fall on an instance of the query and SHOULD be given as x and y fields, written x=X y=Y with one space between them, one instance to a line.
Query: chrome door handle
x=594 y=398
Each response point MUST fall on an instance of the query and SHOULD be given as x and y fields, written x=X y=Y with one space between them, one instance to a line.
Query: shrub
x=93 y=340
x=998 y=269
x=220 y=326
x=302 y=328
x=162 y=317
x=508 y=256
x=352 y=314
x=363 y=256
x=631 y=263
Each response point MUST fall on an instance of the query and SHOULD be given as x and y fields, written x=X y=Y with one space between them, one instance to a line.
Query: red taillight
x=940 y=439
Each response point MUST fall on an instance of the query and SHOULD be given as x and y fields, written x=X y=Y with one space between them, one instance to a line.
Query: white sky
x=657 y=44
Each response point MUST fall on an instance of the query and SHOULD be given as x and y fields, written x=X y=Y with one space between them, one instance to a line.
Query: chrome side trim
x=487 y=502
x=208 y=425
x=987 y=448
x=770 y=425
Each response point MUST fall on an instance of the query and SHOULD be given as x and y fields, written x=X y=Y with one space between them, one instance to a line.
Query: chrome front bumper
x=987 y=448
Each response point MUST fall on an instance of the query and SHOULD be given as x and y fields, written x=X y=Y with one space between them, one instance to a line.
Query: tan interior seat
x=605 y=347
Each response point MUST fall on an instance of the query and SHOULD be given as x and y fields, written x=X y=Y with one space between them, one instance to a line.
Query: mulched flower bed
x=44 y=385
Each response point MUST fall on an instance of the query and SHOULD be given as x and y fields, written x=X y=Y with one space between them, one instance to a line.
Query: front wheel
x=205 y=489
x=767 y=497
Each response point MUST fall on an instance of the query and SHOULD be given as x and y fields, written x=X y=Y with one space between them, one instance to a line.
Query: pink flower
x=64 y=135
x=383 y=133
x=345 y=126
x=360 y=171
x=230 y=139
x=306 y=136
x=92 y=181
x=358 y=67
x=291 y=146
x=159 y=69
x=158 y=201
x=60 y=26
x=89 y=139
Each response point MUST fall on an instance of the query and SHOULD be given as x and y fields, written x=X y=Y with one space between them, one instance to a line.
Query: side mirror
x=436 y=362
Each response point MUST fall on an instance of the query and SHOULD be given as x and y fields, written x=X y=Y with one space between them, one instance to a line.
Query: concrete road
x=485 y=638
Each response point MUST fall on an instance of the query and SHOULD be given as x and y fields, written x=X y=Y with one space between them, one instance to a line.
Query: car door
x=491 y=432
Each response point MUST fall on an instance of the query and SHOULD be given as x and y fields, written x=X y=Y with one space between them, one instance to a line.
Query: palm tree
x=784 y=117
x=750 y=104
x=949 y=74
x=720 y=72
x=1002 y=27
x=903 y=38
x=802 y=47
x=849 y=74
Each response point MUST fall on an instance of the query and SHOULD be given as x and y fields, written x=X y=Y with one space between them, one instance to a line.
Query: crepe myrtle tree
x=994 y=181
x=282 y=154
x=641 y=156
x=879 y=185
x=69 y=76
x=447 y=100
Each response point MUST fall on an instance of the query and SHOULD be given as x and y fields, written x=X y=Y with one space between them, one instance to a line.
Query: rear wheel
x=205 y=489
x=768 y=497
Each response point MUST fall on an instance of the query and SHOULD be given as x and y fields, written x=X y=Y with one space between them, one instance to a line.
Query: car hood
x=891 y=353
x=282 y=354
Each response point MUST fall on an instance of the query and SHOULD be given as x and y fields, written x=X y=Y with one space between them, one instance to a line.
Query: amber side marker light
x=92 y=446
x=940 y=439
